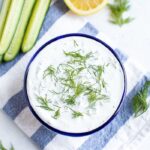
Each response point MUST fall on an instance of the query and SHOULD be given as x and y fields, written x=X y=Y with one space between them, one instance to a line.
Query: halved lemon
x=85 y=7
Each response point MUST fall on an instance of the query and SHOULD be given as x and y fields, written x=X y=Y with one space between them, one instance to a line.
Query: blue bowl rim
x=64 y=132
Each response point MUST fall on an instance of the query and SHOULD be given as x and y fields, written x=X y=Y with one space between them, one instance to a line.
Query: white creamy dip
x=92 y=116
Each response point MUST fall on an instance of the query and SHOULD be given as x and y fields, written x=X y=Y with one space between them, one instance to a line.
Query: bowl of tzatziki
x=75 y=84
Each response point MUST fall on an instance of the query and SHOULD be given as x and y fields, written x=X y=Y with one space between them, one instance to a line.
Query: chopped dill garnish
x=44 y=103
x=79 y=70
x=103 y=83
x=70 y=100
x=77 y=57
x=49 y=71
x=74 y=79
x=140 y=104
x=57 y=114
x=92 y=97
x=80 y=88
x=100 y=70
x=68 y=82
x=75 y=43
x=74 y=54
x=56 y=93
x=97 y=71
x=75 y=114
x=95 y=95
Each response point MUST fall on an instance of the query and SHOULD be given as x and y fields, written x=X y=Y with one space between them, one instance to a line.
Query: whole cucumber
x=20 y=31
x=11 y=24
x=35 y=24
x=3 y=14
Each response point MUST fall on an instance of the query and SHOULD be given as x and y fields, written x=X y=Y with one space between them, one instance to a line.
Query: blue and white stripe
x=13 y=101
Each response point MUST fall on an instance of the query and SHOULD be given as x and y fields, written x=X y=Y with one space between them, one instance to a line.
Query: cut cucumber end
x=25 y=48
x=27 y=44
x=8 y=57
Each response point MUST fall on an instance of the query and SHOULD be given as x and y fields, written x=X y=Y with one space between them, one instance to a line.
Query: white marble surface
x=133 y=38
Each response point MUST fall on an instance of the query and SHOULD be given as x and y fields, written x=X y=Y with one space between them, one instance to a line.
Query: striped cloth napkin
x=124 y=132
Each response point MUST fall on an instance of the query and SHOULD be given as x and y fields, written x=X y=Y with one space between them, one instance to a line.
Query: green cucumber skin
x=35 y=24
x=3 y=15
x=16 y=42
x=1 y=59
x=11 y=24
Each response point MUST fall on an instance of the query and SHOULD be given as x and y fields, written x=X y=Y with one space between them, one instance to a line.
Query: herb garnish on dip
x=75 y=84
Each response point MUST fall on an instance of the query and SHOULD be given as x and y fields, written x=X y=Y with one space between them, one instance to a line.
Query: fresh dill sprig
x=80 y=88
x=44 y=103
x=117 y=10
x=70 y=100
x=68 y=82
x=95 y=96
x=97 y=71
x=100 y=71
x=74 y=54
x=77 y=57
x=140 y=104
x=75 y=114
x=57 y=114
x=103 y=82
x=70 y=73
x=92 y=97
x=3 y=148
x=49 y=71
x=75 y=43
